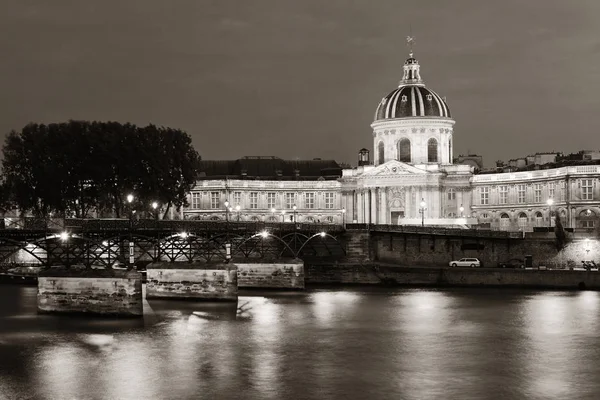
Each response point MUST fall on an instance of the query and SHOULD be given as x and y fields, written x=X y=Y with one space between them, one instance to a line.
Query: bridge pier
x=90 y=291
x=277 y=275
x=194 y=281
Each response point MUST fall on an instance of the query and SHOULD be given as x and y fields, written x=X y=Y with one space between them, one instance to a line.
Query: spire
x=411 y=67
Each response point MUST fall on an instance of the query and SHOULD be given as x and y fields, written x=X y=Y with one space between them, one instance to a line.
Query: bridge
x=128 y=242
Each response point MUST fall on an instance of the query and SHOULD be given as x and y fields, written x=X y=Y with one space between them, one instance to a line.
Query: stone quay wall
x=373 y=273
x=277 y=275
x=103 y=292
x=194 y=281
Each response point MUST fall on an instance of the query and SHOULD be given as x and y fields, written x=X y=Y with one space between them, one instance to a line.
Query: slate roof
x=270 y=168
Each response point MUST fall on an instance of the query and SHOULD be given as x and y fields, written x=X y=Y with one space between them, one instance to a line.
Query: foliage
x=78 y=168
x=559 y=232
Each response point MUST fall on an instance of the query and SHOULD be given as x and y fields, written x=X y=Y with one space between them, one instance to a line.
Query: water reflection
x=321 y=344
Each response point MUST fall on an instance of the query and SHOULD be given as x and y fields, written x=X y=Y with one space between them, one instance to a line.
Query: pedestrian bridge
x=124 y=242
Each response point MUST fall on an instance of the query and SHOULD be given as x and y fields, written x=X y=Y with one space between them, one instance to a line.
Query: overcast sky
x=302 y=78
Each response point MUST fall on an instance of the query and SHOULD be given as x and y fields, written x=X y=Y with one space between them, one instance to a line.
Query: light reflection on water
x=320 y=344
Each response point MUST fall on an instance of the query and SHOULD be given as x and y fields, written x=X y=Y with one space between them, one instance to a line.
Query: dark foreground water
x=322 y=344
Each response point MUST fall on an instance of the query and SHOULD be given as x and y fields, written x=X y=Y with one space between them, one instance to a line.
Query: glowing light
x=550 y=202
x=183 y=235
x=129 y=198
x=294 y=208
x=226 y=203
x=64 y=236
x=105 y=243
x=343 y=211
x=264 y=234
x=323 y=234
x=237 y=208
x=273 y=210
x=154 y=205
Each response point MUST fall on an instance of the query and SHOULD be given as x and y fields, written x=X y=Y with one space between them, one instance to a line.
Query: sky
x=302 y=79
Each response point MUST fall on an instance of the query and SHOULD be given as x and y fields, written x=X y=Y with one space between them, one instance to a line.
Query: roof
x=270 y=168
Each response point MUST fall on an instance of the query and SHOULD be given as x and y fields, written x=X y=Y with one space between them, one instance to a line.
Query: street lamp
x=237 y=208
x=422 y=211
x=227 y=211
x=462 y=209
x=282 y=215
x=550 y=202
x=273 y=214
x=344 y=217
x=294 y=208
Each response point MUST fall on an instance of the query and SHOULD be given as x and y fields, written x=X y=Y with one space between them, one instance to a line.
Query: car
x=512 y=263
x=465 y=262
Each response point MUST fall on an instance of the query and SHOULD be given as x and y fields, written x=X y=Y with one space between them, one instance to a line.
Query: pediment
x=394 y=168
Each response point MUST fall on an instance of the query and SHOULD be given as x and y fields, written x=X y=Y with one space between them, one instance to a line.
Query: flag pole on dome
x=410 y=42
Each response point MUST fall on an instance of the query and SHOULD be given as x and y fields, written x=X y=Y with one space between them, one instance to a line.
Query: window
x=237 y=199
x=196 y=196
x=309 y=200
x=522 y=221
x=551 y=189
x=432 y=150
x=485 y=216
x=404 y=150
x=380 y=153
x=520 y=193
x=214 y=200
x=562 y=191
x=587 y=189
x=503 y=194
x=485 y=195
x=537 y=193
x=451 y=194
x=270 y=200
x=329 y=200
x=290 y=200
x=504 y=222
x=539 y=219
x=254 y=200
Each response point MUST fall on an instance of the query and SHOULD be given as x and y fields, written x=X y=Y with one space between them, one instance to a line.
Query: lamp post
x=550 y=202
x=282 y=215
x=422 y=211
x=237 y=209
x=155 y=209
x=227 y=211
x=344 y=218
x=462 y=209
x=294 y=208
x=273 y=214
x=227 y=244
x=130 y=199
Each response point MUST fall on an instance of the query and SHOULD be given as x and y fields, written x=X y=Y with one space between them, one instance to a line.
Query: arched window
x=504 y=222
x=380 y=153
x=404 y=150
x=309 y=220
x=586 y=219
x=522 y=221
x=432 y=150
x=539 y=219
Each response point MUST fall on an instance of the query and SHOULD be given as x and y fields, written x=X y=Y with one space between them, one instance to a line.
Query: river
x=357 y=343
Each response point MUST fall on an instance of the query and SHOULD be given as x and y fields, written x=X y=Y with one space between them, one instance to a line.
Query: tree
x=77 y=167
x=559 y=232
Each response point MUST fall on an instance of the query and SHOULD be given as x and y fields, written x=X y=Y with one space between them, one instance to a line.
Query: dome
x=412 y=98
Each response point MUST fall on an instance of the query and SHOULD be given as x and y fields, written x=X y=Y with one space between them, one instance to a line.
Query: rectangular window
x=290 y=200
x=485 y=195
x=237 y=199
x=503 y=194
x=329 y=200
x=214 y=200
x=537 y=193
x=520 y=193
x=587 y=189
x=253 y=200
x=270 y=200
x=551 y=189
x=196 y=196
x=309 y=200
x=451 y=194
x=563 y=193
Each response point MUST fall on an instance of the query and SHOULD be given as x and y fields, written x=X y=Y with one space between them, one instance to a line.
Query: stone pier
x=279 y=275
x=90 y=291
x=194 y=281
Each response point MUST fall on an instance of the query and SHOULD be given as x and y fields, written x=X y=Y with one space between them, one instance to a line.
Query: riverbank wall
x=380 y=274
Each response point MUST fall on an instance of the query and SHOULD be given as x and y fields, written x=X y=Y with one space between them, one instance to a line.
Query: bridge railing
x=121 y=224
x=434 y=230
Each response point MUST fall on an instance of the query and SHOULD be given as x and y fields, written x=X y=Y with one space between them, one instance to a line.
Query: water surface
x=320 y=344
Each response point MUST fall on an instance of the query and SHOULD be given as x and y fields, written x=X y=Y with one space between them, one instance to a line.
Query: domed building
x=413 y=180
